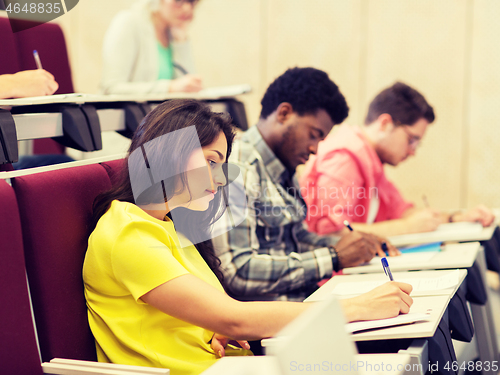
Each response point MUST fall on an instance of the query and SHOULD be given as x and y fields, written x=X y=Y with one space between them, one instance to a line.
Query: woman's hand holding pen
x=186 y=83
x=385 y=301
x=28 y=83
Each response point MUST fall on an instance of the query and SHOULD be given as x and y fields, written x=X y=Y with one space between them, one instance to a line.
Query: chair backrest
x=18 y=347
x=55 y=209
x=9 y=59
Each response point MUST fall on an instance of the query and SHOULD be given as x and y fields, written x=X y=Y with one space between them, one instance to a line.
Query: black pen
x=348 y=225
x=179 y=67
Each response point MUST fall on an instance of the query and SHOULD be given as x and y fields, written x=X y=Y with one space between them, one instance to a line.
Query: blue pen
x=348 y=225
x=387 y=270
x=37 y=59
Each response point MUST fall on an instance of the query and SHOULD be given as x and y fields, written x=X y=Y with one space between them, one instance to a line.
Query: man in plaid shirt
x=271 y=255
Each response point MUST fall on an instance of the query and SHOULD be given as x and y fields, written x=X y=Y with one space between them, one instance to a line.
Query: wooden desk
x=437 y=303
x=428 y=237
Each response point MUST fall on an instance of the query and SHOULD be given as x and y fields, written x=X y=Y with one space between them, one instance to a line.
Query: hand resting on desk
x=480 y=214
x=385 y=301
x=187 y=83
x=355 y=248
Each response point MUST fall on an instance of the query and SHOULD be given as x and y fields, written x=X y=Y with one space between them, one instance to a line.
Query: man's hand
x=355 y=248
x=27 y=83
x=378 y=242
x=425 y=220
x=480 y=214
x=385 y=301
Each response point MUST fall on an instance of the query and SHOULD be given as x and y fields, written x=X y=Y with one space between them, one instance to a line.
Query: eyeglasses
x=182 y=2
x=413 y=140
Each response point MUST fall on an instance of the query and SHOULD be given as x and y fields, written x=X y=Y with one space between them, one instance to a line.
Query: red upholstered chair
x=55 y=209
x=9 y=60
x=48 y=40
x=18 y=348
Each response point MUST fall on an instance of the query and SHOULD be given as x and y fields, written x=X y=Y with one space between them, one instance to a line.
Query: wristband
x=335 y=258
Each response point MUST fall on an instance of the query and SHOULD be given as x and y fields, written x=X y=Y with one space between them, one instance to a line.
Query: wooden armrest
x=60 y=366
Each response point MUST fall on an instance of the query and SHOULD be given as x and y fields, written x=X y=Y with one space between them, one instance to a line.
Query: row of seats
x=45 y=219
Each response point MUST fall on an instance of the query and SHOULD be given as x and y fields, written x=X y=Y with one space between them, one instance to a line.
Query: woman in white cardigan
x=146 y=49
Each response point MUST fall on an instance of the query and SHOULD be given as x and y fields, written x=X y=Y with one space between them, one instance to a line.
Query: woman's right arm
x=190 y=299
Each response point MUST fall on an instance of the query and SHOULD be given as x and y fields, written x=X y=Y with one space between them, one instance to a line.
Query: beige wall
x=447 y=49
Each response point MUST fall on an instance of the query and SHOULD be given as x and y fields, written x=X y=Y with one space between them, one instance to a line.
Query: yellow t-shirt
x=129 y=254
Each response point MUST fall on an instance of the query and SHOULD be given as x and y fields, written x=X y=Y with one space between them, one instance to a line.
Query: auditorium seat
x=9 y=60
x=18 y=345
x=55 y=209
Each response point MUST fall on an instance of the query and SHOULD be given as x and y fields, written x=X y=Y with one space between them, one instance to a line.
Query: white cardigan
x=130 y=55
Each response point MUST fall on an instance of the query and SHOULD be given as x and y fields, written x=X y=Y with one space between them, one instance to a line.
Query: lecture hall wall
x=447 y=49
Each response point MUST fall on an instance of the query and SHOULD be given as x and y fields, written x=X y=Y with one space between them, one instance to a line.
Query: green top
x=166 y=62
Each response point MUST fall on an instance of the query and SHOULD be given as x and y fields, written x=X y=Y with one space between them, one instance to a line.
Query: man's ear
x=386 y=123
x=283 y=112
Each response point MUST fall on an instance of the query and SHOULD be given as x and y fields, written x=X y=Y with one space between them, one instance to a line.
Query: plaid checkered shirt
x=270 y=255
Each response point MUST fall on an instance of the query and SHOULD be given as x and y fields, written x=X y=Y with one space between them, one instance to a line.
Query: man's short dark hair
x=405 y=105
x=307 y=90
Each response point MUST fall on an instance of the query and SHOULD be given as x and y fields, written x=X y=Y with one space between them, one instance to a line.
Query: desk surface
x=327 y=288
x=435 y=305
x=428 y=237
x=452 y=256
x=46 y=125
x=212 y=93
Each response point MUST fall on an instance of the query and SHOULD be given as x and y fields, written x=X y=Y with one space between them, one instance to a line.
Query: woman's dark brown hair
x=166 y=118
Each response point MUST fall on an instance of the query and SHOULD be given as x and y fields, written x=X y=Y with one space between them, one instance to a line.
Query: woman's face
x=204 y=174
x=177 y=13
